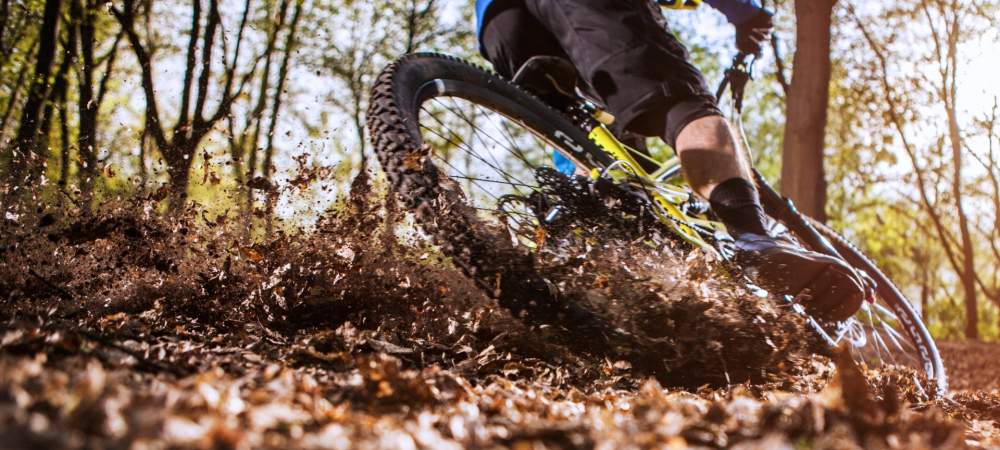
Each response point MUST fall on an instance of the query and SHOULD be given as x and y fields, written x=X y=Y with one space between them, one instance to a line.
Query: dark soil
x=126 y=328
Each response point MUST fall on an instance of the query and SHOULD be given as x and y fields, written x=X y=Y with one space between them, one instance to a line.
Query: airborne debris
x=142 y=334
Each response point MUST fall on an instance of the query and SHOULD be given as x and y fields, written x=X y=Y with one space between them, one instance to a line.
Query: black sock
x=737 y=203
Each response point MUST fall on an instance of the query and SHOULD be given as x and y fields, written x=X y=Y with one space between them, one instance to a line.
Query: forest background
x=255 y=110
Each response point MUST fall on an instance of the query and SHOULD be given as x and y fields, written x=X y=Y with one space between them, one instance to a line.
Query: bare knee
x=709 y=133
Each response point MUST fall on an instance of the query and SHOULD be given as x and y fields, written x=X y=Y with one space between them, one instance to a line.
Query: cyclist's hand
x=751 y=35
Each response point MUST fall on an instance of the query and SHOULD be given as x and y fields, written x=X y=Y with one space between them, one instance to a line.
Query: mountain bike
x=458 y=143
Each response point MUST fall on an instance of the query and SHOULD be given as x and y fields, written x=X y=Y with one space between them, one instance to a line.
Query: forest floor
x=127 y=329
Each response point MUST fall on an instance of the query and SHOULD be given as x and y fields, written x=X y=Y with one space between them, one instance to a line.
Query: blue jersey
x=736 y=11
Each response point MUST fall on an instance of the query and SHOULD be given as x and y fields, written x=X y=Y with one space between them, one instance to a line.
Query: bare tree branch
x=200 y=124
x=126 y=17
x=186 y=85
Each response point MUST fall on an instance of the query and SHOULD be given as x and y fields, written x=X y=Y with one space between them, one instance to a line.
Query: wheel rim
x=879 y=338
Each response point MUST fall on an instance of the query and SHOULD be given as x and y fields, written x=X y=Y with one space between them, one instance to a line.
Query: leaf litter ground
x=128 y=329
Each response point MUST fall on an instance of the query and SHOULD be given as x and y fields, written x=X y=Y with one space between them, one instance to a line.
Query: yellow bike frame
x=664 y=194
x=679 y=4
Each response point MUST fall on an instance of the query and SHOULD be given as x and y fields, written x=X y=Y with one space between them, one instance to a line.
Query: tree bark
x=236 y=149
x=64 y=161
x=4 y=15
x=87 y=105
x=802 y=175
x=24 y=148
x=15 y=90
x=179 y=156
x=258 y=110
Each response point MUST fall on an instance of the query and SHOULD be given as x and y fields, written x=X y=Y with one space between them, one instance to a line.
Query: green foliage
x=887 y=131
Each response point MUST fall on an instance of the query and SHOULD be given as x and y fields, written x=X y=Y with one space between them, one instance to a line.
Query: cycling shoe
x=826 y=286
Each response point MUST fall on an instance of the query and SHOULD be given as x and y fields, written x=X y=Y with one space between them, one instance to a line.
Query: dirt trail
x=126 y=328
x=972 y=365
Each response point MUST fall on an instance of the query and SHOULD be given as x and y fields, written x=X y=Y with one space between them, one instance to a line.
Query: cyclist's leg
x=511 y=36
x=624 y=52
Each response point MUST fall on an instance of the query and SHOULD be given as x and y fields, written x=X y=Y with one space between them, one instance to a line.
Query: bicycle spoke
x=475 y=155
x=487 y=145
x=495 y=165
x=458 y=112
x=891 y=334
x=486 y=180
x=880 y=343
x=895 y=335
x=509 y=136
x=885 y=311
x=474 y=181
x=513 y=148
x=469 y=149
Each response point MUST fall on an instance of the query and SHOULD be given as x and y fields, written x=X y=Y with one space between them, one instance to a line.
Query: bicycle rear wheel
x=457 y=143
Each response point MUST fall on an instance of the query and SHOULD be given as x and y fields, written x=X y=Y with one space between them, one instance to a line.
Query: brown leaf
x=251 y=254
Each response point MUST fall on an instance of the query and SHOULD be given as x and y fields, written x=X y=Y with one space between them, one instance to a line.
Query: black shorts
x=621 y=48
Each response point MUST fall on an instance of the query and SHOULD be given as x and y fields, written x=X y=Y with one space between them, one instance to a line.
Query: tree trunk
x=968 y=272
x=258 y=110
x=279 y=89
x=87 y=105
x=144 y=148
x=4 y=14
x=802 y=175
x=179 y=157
x=921 y=259
x=15 y=89
x=24 y=147
x=57 y=97
x=64 y=161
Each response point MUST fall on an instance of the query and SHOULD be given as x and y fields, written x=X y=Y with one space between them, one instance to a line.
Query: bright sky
x=979 y=84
